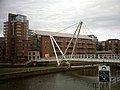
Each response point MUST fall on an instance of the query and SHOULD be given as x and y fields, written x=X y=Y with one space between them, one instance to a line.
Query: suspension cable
x=87 y=28
x=64 y=29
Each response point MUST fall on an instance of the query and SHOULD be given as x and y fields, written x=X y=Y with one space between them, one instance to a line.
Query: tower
x=15 y=32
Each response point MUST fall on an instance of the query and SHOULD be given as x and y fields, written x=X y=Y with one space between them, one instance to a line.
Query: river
x=55 y=81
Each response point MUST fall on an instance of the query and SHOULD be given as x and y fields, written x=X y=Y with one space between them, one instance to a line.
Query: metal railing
x=95 y=56
x=83 y=57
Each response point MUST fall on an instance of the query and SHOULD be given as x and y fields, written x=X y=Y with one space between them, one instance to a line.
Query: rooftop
x=47 y=33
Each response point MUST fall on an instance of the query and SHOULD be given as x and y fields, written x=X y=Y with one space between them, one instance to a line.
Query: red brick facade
x=84 y=46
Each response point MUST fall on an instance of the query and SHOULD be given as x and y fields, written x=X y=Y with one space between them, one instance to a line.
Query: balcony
x=18 y=26
x=18 y=29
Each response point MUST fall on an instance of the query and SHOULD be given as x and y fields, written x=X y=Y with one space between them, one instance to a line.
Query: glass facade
x=20 y=18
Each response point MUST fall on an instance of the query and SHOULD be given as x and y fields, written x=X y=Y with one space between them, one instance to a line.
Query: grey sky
x=101 y=17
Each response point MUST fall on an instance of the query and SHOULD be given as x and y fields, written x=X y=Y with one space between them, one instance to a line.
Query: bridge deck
x=83 y=58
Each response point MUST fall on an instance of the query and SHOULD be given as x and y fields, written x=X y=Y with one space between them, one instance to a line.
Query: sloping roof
x=47 y=33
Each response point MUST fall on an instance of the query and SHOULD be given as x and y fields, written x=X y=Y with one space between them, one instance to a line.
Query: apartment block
x=113 y=45
x=2 y=49
x=15 y=33
x=85 y=44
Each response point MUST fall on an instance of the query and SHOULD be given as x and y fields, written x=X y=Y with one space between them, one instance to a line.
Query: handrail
x=96 y=56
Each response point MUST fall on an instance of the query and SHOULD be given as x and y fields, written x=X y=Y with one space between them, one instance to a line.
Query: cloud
x=101 y=16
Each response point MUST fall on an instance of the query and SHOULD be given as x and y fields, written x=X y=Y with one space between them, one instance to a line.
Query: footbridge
x=73 y=57
x=94 y=58
x=90 y=58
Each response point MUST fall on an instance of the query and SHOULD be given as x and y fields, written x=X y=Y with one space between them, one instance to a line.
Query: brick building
x=2 y=49
x=33 y=55
x=113 y=45
x=15 y=33
x=85 y=44
x=101 y=46
x=20 y=42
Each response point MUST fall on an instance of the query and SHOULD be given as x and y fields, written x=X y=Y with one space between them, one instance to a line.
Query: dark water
x=57 y=81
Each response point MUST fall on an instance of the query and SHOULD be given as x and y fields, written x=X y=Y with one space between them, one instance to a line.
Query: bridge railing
x=95 y=56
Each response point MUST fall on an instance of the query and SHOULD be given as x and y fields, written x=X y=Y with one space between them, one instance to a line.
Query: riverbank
x=9 y=73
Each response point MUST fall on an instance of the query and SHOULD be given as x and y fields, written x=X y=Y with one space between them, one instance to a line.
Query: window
x=37 y=57
x=33 y=57
x=45 y=47
x=109 y=42
x=29 y=53
x=29 y=57
x=33 y=53
x=116 y=41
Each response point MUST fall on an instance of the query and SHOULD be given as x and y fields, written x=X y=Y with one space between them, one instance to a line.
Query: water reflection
x=58 y=81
